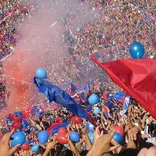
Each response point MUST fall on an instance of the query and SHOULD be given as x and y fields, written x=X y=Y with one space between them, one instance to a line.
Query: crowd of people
x=12 y=12
x=116 y=25
x=138 y=125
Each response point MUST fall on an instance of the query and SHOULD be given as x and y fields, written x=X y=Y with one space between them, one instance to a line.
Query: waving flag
x=125 y=105
x=56 y=129
x=83 y=97
x=110 y=103
x=81 y=91
x=137 y=77
x=59 y=96
x=73 y=88
x=88 y=108
x=87 y=88
x=120 y=96
x=53 y=125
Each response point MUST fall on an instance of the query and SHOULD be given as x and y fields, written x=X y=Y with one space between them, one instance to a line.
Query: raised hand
x=102 y=144
x=5 y=149
x=50 y=146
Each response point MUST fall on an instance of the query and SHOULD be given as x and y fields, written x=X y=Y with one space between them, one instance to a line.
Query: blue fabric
x=89 y=108
x=119 y=96
x=80 y=90
x=110 y=103
x=126 y=104
x=87 y=88
x=83 y=97
x=30 y=142
x=55 y=130
x=59 y=96
x=8 y=122
x=18 y=114
x=36 y=111
x=73 y=87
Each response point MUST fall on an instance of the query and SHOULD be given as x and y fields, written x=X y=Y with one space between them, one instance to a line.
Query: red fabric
x=58 y=119
x=25 y=115
x=105 y=95
x=105 y=109
x=137 y=77
x=11 y=116
x=53 y=125
x=91 y=119
x=17 y=122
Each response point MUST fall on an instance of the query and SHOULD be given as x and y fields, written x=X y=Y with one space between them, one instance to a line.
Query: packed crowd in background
x=116 y=25
x=12 y=13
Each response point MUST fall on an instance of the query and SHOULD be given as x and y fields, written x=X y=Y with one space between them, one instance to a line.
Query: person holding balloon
x=5 y=149
x=50 y=146
x=102 y=143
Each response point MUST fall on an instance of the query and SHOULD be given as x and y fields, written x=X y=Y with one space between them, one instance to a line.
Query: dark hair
x=64 y=152
x=84 y=153
x=145 y=145
x=58 y=148
x=154 y=133
x=41 y=150
x=129 y=152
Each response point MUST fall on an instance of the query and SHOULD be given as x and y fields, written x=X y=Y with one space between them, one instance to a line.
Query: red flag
x=53 y=125
x=137 y=77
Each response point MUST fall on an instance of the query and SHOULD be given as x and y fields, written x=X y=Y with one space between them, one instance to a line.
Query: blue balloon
x=91 y=137
x=41 y=73
x=136 y=50
x=18 y=114
x=90 y=127
x=93 y=99
x=74 y=136
x=43 y=137
x=35 y=148
x=96 y=110
x=18 y=138
x=117 y=137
